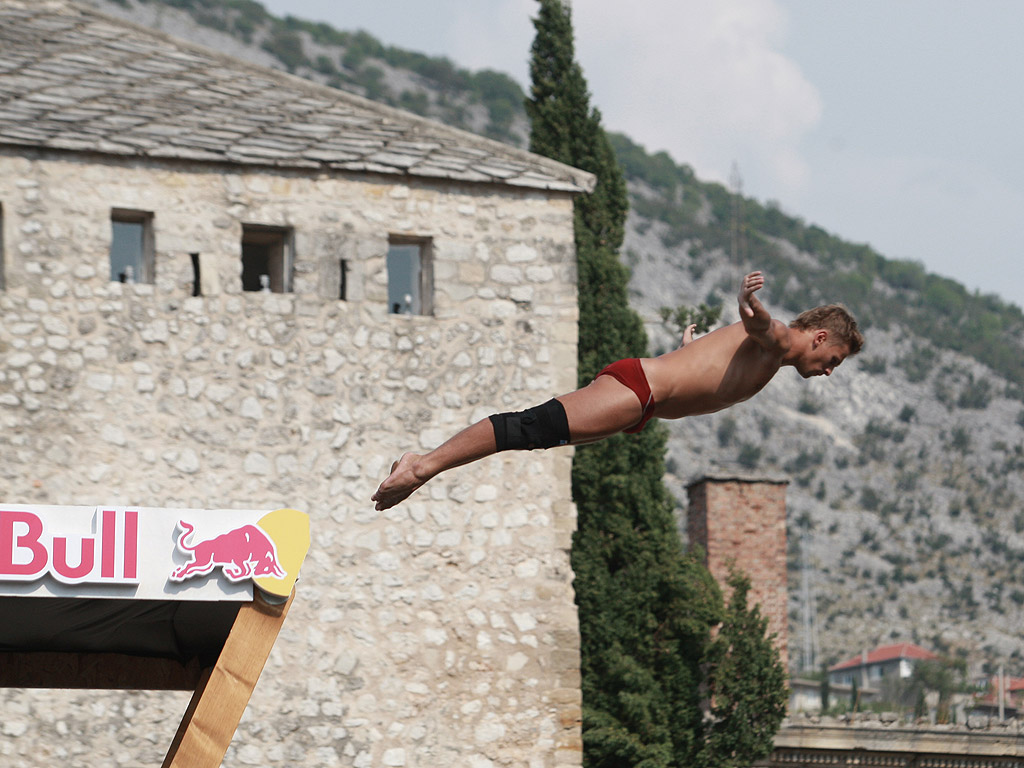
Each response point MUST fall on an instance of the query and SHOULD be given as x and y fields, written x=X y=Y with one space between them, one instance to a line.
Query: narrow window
x=131 y=246
x=410 y=277
x=266 y=258
x=197 y=286
x=343 y=279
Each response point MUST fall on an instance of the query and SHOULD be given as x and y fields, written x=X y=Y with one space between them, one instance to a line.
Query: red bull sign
x=149 y=553
x=31 y=546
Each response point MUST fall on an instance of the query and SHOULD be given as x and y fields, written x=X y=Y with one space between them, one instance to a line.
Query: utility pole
x=808 y=609
x=1002 y=694
x=737 y=229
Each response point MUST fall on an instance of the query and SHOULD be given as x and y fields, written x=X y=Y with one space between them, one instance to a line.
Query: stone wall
x=441 y=632
x=885 y=740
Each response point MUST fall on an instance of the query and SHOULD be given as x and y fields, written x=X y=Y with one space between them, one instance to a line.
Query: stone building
x=225 y=287
x=741 y=522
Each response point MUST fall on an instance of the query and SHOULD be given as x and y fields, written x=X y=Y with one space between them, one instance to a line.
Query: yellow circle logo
x=289 y=530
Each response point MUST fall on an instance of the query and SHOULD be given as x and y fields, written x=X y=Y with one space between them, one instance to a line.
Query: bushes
x=975 y=394
x=919 y=363
x=875 y=365
x=286 y=45
x=749 y=455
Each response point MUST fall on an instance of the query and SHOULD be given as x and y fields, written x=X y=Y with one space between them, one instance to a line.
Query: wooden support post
x=223 y=691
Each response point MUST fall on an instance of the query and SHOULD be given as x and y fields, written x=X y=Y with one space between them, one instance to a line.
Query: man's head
x=837 y=320
x=834 y=336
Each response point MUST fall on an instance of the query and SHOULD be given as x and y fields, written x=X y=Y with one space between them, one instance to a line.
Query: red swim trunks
x=631 y=373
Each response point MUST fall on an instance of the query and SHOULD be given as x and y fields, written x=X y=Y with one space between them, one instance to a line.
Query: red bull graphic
x=243 y=553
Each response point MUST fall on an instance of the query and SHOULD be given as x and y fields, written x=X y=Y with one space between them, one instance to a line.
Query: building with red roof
x=870 y=667
x=1000 y=697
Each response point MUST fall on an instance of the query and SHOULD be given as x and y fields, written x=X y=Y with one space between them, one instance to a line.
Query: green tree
x=565 y=128
x=704 y=317
x=645 y=608
x=286 y=45
x=945 y=677
x=747 y=686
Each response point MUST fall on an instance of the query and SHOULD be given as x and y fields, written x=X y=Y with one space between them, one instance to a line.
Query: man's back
x=723 y=368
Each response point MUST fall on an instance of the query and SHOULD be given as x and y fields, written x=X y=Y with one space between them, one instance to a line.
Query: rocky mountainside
x=905 y=505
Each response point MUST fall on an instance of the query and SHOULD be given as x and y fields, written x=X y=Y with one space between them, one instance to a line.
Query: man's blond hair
x=837 y=320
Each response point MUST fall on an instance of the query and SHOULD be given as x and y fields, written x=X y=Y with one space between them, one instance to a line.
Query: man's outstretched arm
x=770 y=334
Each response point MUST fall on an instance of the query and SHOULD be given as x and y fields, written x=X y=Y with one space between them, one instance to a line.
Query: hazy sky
x=896 y=123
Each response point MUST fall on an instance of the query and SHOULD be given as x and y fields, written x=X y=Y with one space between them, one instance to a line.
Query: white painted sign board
x=149 y=553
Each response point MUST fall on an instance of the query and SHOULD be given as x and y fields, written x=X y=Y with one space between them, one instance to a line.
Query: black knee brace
x=543 y=426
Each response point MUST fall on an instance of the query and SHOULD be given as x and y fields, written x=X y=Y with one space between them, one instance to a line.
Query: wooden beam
x=220 y=699
x=187 y=718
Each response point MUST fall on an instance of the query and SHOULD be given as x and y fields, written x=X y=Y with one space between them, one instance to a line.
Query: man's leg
x=413 y=470
x=599 y=410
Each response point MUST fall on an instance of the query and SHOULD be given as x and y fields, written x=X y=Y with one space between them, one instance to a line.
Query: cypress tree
x=645 y=609
x=747 y=686
x=565 y=128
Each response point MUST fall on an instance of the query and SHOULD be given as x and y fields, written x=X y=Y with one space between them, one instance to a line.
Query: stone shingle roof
x=76 y=80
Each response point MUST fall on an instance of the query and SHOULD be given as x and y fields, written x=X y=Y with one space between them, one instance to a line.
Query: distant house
x=870 y=667
x=1000 y=697
x=805 y=694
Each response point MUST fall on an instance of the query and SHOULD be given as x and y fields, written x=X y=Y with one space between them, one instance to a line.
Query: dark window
x=131 y=246
x=343 y=279
x=197 y=286
x=410 y=277
x=266 y=258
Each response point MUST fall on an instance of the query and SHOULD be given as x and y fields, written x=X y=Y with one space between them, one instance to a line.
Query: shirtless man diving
x=725 y=367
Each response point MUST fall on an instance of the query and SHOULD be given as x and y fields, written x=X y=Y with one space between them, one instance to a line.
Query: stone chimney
x=742 y=521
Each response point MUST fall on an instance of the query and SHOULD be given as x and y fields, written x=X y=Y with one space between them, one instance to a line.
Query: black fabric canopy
x=170 y=629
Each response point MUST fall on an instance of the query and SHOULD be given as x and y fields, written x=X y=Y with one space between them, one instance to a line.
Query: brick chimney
x=742 y=521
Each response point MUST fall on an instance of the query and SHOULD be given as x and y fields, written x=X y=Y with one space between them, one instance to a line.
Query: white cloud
x=704 y=80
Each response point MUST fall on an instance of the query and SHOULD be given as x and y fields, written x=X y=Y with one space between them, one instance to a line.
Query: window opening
x=131 y=246
x=410 y=277
x=197 y=286
x=343 y=279
x=266 y=258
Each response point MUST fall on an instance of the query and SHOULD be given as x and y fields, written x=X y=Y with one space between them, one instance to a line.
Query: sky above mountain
x=890 y=123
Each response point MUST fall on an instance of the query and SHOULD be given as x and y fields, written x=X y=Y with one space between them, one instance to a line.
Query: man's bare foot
x=400 y=484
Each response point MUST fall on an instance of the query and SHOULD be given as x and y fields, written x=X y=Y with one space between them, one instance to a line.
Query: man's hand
x=688 y=334
x=749 y=304
x=759 y=325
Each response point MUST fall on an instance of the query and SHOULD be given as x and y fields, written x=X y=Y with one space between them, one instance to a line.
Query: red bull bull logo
x=243 y=553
